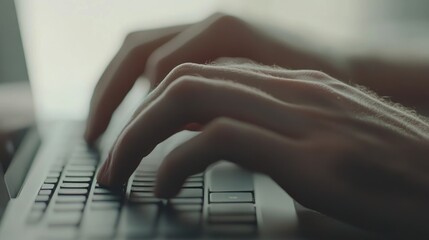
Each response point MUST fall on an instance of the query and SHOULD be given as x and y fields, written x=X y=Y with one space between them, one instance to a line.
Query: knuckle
x=183 y=88
x=317 y=75
x=184 y=69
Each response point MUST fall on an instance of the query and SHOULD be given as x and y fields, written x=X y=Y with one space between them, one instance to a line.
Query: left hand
x=333 y=147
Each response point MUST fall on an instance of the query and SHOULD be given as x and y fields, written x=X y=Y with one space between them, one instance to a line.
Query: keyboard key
x=186 y=201
x=194 y=179
x=150 y=200
x=232 y=230
x=231 y=197
x=72 y=191
x=105 y=205
x=100 y=224
x=142 y=195
x=70 y=199
x=106 y=198
x=142 y=189
x=239 y=219
x=68 y=207
x=138 y=220
x=228 y=177
x=190 y=193
x=81 y=168
x=64 y=218
x=51 y=180
x=103 y=191
x=75 y=185
x=181 y=224
x=144 y=179
x=40 y=206
x=186 y=207
x=193 y=185
x=54 y=174
x=232 y=209
x=143 y=184
x=79 y=174
x=35 y=216
x=47 y=186
x=42 y=198
x=45 y=192
x=77 y=179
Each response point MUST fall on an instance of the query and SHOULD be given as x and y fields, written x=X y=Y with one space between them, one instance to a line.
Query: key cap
x=186 y=207
x=143 y=184
x=53 y=175
x=81 y=168
x=142 y=189
x=77 y=179
x=39 y=206
x=35 y=216
x=190 y=193
x=181 y=224
x=105 y=205
x=51 y=180
x=70 y=199
x=42 y=198
x=238 y=219
x=103 y=191
x=231 y=197
x=45 y=192
x=106 y=198
x=142 y=195
x=100 y=224
x=47 y=186
x=79 y=174
x=193 y=185
x=144 y=179
x=232 y=209
x=150 y=200
x=228 y=177
x=186 y=201
x=138 y=220
x=75 y=185
x=64 y=207
x=72 y=191
x=64 y=218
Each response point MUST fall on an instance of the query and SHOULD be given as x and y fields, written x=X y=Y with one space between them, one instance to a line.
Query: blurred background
x=69 y=42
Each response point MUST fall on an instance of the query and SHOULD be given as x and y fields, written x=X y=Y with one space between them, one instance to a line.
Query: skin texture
x=334 y=147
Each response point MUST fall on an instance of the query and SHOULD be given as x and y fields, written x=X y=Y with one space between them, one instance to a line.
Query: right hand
x=155 y=53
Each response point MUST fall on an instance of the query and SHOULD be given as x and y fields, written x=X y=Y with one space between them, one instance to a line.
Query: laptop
x=48 y=188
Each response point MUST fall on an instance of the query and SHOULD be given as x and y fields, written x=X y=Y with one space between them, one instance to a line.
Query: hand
x=156 y=52
x=333 y=147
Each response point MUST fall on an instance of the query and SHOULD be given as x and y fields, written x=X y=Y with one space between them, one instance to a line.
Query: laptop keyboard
x=71 y=202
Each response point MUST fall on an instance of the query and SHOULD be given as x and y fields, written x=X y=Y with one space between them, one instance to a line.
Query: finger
x=217 y=36
x=194 y=99
x=280 y=85
x=249 y=146
x=121 y=74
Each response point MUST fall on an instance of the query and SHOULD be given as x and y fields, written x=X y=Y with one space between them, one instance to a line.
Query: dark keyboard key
x=64 y=207
x=77 y=179
x=75 y=185
x=138 y=220
x=72 y=191
x=45 y=192
x=232 y=209
x=70 y=199
x=231 y=197
x=47 y=186
x=227 y=177
x=79 y=174
x=42 y=198
x=51 y=180
x=64 y=218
